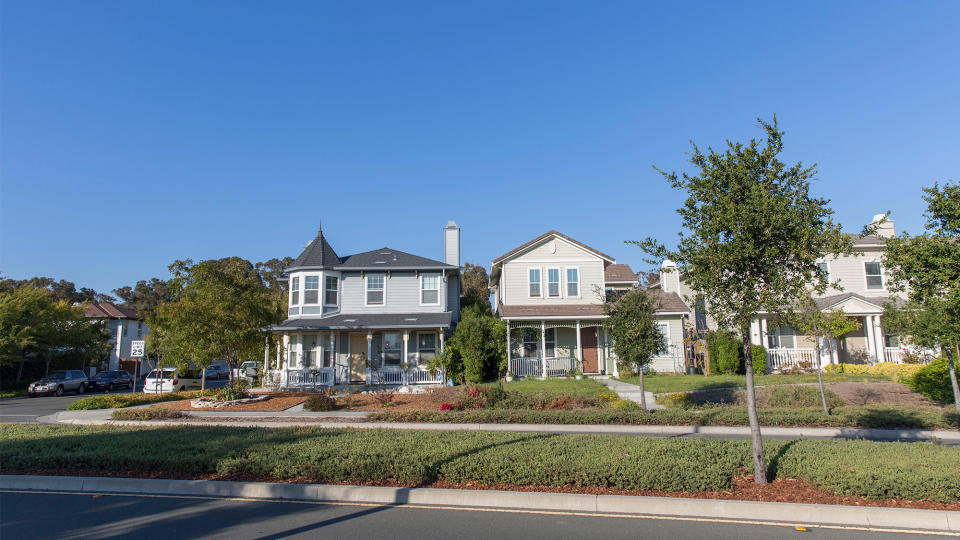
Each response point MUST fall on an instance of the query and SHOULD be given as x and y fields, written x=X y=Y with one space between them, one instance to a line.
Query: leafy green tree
x=927 y=267
x=752 y=236
x=220 y=311
x=633 y=328
x=145 y=296
x=812 y=321
x=61 y=290
x=477 y=351
x=476 y=287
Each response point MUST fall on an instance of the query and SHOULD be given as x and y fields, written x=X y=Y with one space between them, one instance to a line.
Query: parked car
x=248 y=369
x=111 y=380
x=58 y=382
x=218 y=371
x=170 y=380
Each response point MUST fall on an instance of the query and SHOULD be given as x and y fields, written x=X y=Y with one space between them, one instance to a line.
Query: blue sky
x=137 y=133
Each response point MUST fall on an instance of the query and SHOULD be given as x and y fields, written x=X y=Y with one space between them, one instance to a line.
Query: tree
x=752 y=236
x=220 y=310
x=476 y=287
x=61 y=290
x=477 y=351
x=145 y=296
x=927 y=267
x=829 y=325
x=633 y=328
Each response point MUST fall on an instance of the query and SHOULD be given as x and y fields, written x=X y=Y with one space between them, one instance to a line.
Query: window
x=551 y=347
x=375 y=283
x=330 y=291
x=294 y=291
x=664 y=329
x=292 y=351
x=573 y=282
x=430 y=289
x=530 y=343
x=311 y=289
x=553 y=282
x=311 y=350
x=139 y=329
x=392 y=349
x=891 y=340
x=782 y=337
x=427 y=346
x=874 y=275
x=824 y=269
x=535 y=282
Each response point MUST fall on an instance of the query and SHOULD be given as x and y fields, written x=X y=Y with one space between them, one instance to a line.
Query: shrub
x=791 y=397
x=148 y=413
x=113 y=401
x=238 y=390
x=758 y=353
x=676 y=400
x=896 y=372
x=320 y=403
x=725 y=351
x=933 y=381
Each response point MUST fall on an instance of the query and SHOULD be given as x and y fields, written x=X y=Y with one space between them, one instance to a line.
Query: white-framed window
x=376 y=283
x=311 y=350
x=534 y=282
x=874 y=276
x=664 y=329
x=891 y=340
x=530 y=343
x=782 y=337
x=311 y=289
x=292 y=350
x=573 y=282
x=551 y=344
x=330 y=286
x=426 y=346
x=294 y=291
x=553 y=282
x=392 y=349
x=430 y=289
x=824 y=269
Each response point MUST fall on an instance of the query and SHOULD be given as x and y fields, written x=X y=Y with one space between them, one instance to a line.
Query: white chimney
x=669 y=277
x=451 y=244
x=885 y=229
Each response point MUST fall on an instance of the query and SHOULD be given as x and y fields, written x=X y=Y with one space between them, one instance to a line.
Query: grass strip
x=861 y=417
x=918 y=471
x=662 y=383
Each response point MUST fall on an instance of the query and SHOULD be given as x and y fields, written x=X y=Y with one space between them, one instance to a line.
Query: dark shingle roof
x=389 y=258
x=109 y=310
x=317 y=254
x=373 y=320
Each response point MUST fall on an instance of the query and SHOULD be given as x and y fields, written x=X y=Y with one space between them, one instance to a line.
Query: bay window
x=330 y=291
x=430 y=289
x=375 y=286
x=573 y=282
x=311 y=289
x=294 y=291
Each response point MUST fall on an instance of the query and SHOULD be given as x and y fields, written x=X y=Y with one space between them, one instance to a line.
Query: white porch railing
x=305 y=378
x=778 y=359
x=398 y=375
x=896 y=354
x=533 y=366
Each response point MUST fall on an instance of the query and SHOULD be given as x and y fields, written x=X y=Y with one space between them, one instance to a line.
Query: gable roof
x=109 y=310
x=860 y=240
x=317 y=254
x=827 y=302
x=389 y=258
x=548 y=235
x=619 y=273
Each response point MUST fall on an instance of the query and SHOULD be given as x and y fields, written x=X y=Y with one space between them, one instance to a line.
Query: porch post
x=509 y=349
x=878 y=331
x=266 y=354
x=442 y=332
x=543 y=348
x=369 y=356
x=406 y=338
x=333 y=356
x=580 y=348
x=871 y=341
x=763 y=332
x=755 y=336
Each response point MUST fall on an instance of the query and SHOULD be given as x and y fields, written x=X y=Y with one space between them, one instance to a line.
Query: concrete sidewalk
x=630 y=392
x=338 y=419
x=878 y=518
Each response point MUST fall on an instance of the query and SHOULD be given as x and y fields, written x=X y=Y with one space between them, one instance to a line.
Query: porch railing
x=778 y=359
x=897 y=354
x=304 y=378
x=533 y=366
x=399 y=375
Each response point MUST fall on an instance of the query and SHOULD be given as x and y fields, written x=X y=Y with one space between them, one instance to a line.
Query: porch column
x=279 y=350
x=286 y=350
x=543 y=348
x=878 y=337
x=333 y=356
x=755 y=336
x=369 y=356
x=763 y=332
x=871 y=341
x=442 y=333
x=580 y=348
x=509 y=349
x=266 y=354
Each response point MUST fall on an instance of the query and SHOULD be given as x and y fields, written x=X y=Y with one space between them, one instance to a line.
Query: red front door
x=588 y=341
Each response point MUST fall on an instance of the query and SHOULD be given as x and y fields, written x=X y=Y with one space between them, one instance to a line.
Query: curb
x=853 y=516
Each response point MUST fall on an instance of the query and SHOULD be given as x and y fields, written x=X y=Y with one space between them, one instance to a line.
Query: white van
x=170 y=380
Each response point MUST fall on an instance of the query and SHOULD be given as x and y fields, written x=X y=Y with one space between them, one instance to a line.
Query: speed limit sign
x=136 y=349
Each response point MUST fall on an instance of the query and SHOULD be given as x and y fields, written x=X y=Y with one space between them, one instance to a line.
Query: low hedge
x=933 y=381
x=864 y=417
x=115 y=401
x=896 y=372
x=908 y=470
x=149 y=413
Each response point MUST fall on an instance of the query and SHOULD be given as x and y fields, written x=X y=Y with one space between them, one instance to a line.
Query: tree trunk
x=643 y=394
x=830 y=348
x=953 y=379
x=759 y=465
x=823 y=394
x=203 y=379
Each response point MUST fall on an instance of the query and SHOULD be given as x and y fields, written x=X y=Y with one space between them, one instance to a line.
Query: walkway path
x=630 y=392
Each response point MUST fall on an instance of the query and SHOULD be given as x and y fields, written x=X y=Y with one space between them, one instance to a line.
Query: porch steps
x=630 y=392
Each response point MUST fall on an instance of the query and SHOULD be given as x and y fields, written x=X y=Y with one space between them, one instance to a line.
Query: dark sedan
x=111 y=380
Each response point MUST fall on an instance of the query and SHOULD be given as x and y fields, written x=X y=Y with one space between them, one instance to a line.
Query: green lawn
x=556 y=387
x=417 y=458
x=661 y=383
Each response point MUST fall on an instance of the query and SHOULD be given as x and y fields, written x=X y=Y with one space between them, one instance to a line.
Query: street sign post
x=136 y=351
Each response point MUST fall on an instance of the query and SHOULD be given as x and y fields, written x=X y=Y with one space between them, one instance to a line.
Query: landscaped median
x=817 y=471
x=115 y=401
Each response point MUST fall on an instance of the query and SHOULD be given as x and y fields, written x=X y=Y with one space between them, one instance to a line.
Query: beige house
x=550 y=291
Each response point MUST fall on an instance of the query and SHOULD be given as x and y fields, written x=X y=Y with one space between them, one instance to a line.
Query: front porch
x=553 y=348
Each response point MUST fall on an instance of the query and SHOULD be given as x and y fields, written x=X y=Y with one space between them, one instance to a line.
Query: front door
x=358 y=357
x=588 y=341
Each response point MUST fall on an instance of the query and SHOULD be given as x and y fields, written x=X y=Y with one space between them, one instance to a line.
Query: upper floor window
x=534 y=282
x=311 y=289
x=664 y=329
x=824 y=269
x=429 y=289
x=573 y=282
x=375 y=285
x=874 y=275
x=294 y=291
x=553 y=282
x=330 y=291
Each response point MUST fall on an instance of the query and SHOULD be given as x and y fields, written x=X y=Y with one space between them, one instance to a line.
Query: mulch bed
x=429 y=400
x=780 y=490
x=280 y=401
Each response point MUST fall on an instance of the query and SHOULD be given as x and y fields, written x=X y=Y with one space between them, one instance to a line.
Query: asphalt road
x=27 y=410
x=42 y=515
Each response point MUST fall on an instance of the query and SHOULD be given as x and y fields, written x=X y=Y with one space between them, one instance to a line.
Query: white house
x=124 y=326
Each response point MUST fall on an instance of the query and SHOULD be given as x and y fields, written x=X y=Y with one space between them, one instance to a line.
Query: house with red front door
x=550 y=291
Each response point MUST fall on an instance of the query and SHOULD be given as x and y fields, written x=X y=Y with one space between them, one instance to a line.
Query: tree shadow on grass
x=774 y=464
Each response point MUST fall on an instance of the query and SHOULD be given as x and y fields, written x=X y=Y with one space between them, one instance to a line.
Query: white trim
x=421 y=289
x=566 y=282
x=538 y=269
x=366 y=280
x=304 y=290
x=557 y=261
x=325 y=278
x=555 y=318
x=290 y=302
x=546 y=239
x=866 y=284
x=559 y=282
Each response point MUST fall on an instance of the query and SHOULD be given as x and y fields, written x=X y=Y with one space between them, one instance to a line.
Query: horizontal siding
x=403 y=295
x=850 y=271
x=515 y=278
